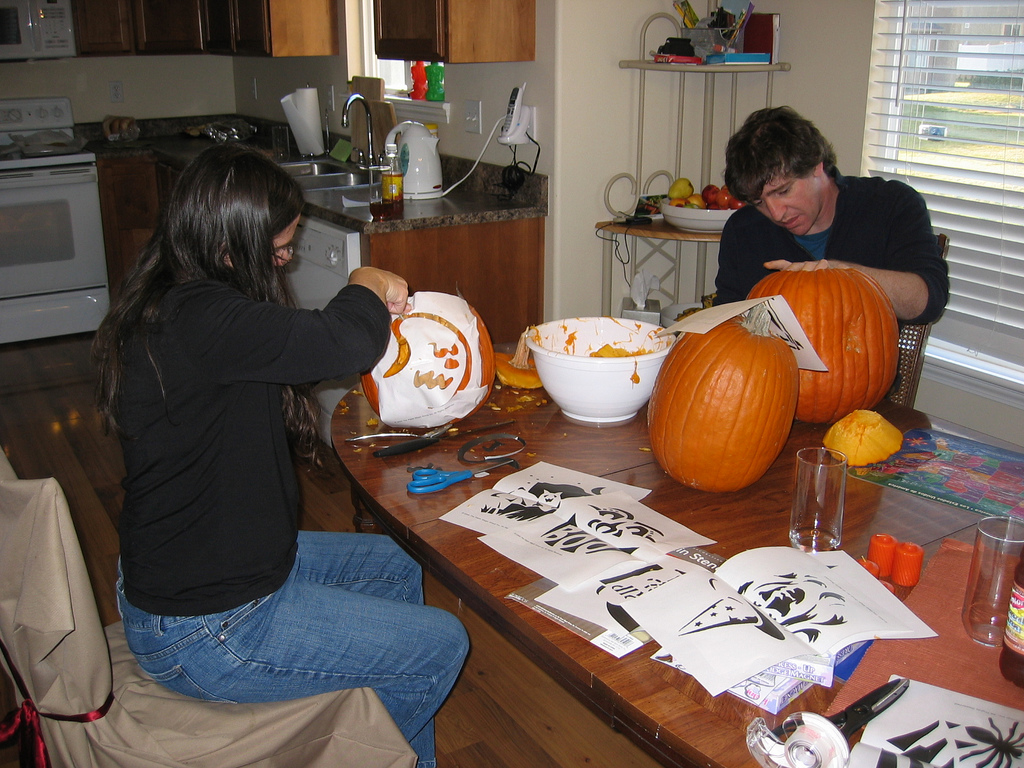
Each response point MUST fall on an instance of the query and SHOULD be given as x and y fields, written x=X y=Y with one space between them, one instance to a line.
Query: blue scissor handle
x=428 y=480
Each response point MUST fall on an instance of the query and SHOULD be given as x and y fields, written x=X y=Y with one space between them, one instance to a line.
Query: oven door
x=51 y=234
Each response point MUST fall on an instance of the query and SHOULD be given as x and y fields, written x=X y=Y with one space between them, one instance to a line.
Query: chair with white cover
x=65 y=664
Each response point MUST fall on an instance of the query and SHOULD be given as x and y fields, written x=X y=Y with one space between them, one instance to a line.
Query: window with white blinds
x=946 y=115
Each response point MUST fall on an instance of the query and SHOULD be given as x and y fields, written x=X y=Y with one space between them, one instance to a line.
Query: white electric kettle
x=419 y=160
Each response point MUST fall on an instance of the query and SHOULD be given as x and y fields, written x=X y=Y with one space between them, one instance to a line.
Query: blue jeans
x=350 y=615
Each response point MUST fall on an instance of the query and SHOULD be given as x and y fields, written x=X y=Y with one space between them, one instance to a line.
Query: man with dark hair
x=803 y=214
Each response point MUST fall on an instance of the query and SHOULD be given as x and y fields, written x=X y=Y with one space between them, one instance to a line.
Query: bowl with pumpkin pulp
x=598 y=369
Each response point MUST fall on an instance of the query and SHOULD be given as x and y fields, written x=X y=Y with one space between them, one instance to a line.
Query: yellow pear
x=681 y=187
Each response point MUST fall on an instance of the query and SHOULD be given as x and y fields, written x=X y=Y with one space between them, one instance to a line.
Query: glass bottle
x=1011 y=658
x=392 y=198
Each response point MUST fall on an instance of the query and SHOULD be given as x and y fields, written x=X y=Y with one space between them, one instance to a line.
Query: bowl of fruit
x=704 y=211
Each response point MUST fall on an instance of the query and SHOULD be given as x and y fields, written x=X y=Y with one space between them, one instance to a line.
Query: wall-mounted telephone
x=518 y=118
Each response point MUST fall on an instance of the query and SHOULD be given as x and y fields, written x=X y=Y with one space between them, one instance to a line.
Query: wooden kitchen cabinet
x=455 y=31
x=138 y=26
x=274 y=28
x=129 y=207
x=498 y=267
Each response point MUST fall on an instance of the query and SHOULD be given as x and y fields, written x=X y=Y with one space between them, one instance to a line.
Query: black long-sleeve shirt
x=209 y=518
x=878 y=223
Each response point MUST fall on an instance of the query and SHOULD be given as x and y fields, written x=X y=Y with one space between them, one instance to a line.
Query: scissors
x=428 y=480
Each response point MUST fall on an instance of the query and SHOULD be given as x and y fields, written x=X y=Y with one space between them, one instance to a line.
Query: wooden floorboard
x=503 y=713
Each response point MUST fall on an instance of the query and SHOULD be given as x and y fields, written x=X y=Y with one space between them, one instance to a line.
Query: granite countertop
x=479 y=199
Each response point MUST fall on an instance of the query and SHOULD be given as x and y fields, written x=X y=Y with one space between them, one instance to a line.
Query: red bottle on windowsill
x=1011 y=658
x=419 y=81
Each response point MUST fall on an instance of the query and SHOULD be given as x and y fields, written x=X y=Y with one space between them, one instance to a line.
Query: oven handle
x=50 y=177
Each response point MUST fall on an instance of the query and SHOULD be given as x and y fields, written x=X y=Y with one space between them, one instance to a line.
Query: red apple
x=710 y=194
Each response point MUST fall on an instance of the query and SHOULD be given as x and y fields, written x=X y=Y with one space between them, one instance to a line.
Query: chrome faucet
x=372 y=162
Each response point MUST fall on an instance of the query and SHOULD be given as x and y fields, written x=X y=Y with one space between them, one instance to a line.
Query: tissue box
x=651 y=313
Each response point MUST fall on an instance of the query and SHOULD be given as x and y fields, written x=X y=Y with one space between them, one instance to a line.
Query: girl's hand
x=389 y=287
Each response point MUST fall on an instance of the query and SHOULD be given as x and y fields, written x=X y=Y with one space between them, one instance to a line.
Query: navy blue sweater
x=209 y=517
x=878 y=223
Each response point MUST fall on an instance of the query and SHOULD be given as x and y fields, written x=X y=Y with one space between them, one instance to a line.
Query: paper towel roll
x=302 y=109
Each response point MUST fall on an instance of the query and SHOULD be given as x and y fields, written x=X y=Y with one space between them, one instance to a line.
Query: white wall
x=154 y=86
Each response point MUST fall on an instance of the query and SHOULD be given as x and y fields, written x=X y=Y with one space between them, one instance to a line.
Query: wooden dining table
x=662 y=709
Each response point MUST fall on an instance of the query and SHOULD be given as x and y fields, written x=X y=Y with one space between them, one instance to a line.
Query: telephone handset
x=517 y=121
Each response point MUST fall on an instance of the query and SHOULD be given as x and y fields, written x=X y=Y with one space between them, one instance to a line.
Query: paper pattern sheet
x=765 y=606
x=827 y=599
x=604 y=601
x=569 y=526
x=930 y=726
x=711 y=632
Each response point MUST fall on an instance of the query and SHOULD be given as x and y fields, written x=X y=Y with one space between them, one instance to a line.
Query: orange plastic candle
x=906 y=565
x=881 y=550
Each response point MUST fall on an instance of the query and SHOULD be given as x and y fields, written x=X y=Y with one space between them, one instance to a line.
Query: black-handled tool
x=857 y=715
x=430 y=438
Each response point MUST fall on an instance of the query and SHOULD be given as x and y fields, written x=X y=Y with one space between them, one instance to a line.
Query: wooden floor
x=503 y=712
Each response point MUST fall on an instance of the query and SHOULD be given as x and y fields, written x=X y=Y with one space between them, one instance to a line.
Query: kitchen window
x=946 y=115
x=397 y=77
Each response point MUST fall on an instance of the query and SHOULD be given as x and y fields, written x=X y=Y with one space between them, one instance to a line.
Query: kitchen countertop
x=479 y=199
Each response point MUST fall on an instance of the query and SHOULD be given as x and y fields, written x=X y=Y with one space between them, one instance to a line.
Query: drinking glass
x=997 y=549
x=816 y=520
x=280 y=140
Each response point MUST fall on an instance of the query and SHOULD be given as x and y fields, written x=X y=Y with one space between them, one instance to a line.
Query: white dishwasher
x=325 y=254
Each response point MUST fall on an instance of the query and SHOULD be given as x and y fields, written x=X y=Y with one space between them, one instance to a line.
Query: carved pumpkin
x=851 y=324
x=438 y=366
x=723 y=404
x=865 y=437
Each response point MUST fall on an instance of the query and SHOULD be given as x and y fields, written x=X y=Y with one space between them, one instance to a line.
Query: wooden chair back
x=911 y=361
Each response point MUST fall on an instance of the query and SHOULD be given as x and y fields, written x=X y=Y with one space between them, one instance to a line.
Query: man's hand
x=907 y=291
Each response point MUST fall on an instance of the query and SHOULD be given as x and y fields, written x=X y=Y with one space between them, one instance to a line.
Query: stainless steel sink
x=322 y=173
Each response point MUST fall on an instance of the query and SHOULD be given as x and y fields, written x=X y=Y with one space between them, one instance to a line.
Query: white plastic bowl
x=598 y=389
x=695 y=219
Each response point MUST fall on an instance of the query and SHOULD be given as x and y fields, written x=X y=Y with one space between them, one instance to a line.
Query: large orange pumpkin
x=477 y=372
x=851 y=324
x=723 y=404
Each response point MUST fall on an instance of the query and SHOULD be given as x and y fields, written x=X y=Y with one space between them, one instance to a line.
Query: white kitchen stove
x=35 y=133
x=53 y=274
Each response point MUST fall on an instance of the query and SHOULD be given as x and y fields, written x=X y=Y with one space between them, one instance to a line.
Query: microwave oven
x=36 y=29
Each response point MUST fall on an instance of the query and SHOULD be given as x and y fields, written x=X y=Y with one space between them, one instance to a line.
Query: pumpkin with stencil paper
x=477 y=376
x=723 y=404
x=852 y=326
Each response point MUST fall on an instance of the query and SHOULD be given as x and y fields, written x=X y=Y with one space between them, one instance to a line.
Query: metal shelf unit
x=671 y=275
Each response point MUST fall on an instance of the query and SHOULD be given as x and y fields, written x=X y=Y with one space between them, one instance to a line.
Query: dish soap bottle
x=392 y=183
x=435 y=82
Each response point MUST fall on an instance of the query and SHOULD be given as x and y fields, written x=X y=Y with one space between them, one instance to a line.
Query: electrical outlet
x=474 y=107
x=116 y=91
x=330 y=97
x=255 y=90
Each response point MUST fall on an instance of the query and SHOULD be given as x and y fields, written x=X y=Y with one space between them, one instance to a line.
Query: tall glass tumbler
x=816 y=520
x=997 y=549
